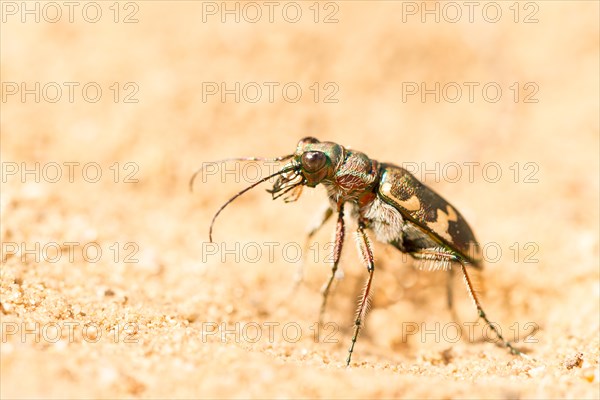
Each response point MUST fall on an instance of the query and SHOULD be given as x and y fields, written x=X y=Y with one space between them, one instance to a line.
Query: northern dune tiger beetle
x=385 y=198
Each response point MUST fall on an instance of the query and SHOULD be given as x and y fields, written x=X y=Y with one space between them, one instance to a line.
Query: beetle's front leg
x=299 y=276
x=366 y=252
x=337 y=251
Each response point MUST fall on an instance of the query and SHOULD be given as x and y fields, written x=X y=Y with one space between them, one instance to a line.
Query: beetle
x=388 y=200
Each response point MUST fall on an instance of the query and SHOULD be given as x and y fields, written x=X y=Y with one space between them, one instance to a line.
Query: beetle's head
x=317 y=161
x=312 y=163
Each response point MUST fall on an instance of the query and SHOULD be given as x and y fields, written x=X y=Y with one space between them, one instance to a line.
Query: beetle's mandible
x=385 y=198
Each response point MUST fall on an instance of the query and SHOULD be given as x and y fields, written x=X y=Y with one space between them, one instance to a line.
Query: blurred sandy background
x=143 y=314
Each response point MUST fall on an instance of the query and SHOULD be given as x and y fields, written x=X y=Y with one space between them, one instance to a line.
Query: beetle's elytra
x=384 y=198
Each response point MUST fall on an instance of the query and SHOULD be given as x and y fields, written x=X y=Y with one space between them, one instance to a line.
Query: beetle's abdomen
x=428 y=211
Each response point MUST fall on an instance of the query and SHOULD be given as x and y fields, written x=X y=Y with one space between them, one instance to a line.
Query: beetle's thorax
x=354 y=179
x=348 y=175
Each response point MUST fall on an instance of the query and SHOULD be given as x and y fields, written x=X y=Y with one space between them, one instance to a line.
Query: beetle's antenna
x=191 y=184
x=241 y=192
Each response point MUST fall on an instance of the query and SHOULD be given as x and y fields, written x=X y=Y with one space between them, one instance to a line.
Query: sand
x=110 y=289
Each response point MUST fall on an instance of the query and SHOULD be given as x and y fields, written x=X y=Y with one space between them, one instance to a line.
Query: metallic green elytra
x=383 y=198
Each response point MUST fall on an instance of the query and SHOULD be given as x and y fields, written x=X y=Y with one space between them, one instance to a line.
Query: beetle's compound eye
x=309 y=139
x=312 y=161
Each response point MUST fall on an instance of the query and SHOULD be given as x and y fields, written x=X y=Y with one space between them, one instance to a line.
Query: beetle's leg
x=367 y=255
x=337 y=251
x=449 y=289
x=299 y=275
x=435 y=258
x=439 y=259
x=482 y=314
x=450 y=294
x=438 y=255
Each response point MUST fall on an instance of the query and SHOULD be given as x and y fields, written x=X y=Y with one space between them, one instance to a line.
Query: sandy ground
x=109 y=288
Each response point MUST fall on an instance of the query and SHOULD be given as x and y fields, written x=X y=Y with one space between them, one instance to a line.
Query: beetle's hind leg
x=435 y=259
x=446 y=258
x=482 y=313
x=450 y=294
